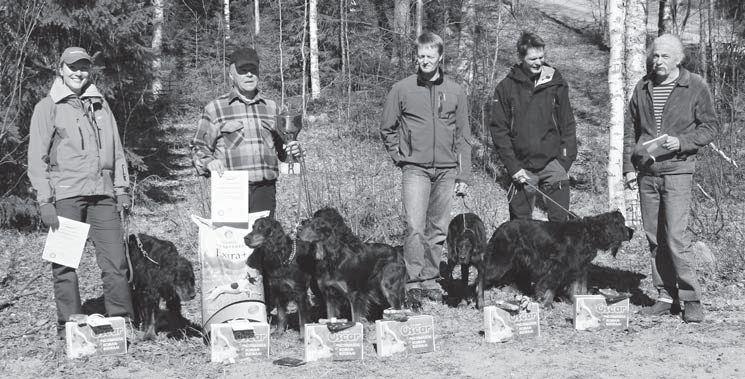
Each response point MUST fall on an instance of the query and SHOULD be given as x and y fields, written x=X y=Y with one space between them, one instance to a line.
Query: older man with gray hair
x=675 y=107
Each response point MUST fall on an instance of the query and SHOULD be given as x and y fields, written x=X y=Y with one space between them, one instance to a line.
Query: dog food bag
x=506 y=321
x=333 y=341
x=230 y=289
x=596 y=312
x=238 y=340
x=415 y=335
x=95 y=335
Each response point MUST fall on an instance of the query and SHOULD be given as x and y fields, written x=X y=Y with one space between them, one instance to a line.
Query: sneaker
x=658 y=309
x=693 y=312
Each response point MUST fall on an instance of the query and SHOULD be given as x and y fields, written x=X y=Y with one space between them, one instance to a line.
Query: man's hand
x=49 y=215
x=630 y=179
x=294 y=150
x=672 y=143
x=461 y=188
x=216 y=167
x=123 y=203
x=520 y=176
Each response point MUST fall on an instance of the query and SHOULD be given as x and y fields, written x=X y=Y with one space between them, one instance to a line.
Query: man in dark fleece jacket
x=534 y=132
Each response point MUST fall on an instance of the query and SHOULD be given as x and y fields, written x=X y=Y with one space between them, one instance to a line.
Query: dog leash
x=124 y=220
x=513 y=189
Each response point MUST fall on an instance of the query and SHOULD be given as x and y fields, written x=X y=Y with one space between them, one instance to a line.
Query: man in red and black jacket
x=534 y=131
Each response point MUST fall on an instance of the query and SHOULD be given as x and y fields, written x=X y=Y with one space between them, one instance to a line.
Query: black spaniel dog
x=466 y=242
x=159 y=273
x=554 y=255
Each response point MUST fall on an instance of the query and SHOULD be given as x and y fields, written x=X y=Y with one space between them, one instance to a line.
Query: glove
x=123 y=202
x=49 y=215
x=520 y=176
x=293 y=149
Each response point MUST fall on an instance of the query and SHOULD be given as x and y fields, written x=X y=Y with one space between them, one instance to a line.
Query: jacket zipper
x=80 y=131
x=435 y=115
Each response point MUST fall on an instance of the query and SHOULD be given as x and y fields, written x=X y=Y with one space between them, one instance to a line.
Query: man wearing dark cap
x=237 y=132
x=77 y=167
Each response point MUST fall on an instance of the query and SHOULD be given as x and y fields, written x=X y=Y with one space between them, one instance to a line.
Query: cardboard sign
x=96 y=335
x=502 y=325
x=595 y=312
x=238 y=340
x=415 y=335
x=322 y=344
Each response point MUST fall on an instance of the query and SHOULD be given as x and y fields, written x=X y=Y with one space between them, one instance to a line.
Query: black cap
x=245 y=60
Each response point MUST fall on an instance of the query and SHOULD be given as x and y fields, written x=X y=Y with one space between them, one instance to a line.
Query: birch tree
x=226 y=15
x=666 y=19
x=257 y=23
x=616 y=15
x=401 y=31
x=635 y=44
x=157 y=47
x=419 y=16
x=315 y=76
x=465 y=65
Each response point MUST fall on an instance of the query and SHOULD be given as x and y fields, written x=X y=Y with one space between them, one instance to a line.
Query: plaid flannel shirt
x=241 y=134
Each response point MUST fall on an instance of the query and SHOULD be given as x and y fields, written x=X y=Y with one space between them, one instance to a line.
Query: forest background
x=160 y=61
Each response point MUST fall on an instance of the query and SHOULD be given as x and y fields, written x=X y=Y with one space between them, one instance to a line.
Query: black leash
x=514 y=188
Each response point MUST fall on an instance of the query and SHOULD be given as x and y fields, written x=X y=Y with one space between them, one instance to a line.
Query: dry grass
x=348 y=169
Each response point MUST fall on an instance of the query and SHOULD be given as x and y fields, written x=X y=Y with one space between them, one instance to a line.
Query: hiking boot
x=693 y=312
x=658 y=309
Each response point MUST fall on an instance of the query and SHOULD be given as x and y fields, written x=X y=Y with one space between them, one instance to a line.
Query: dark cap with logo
x=245 y=60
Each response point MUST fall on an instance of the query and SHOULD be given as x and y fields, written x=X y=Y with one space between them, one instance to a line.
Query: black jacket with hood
x=532 y=122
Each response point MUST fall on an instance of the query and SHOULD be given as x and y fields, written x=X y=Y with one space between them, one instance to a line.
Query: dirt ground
x=652 y=347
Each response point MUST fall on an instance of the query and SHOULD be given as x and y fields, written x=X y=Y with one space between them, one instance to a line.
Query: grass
x=347 y=168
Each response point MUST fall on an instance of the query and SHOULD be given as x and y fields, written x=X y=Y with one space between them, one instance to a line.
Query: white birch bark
x=156 y=87
x=315 y=76
x=615 y=83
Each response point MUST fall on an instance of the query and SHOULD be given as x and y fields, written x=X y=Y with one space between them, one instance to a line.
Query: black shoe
x=693 y=312
x=658 y=309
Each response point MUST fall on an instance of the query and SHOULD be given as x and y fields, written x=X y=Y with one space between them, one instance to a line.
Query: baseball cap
x=74 y=54
x=245 y=60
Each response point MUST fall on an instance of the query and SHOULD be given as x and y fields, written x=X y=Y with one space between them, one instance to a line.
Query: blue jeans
x=427 y=197
x=665 y=205
x=106 y=233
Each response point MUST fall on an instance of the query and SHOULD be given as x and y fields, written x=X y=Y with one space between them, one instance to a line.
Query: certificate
x=65 y=245
x=230 y=198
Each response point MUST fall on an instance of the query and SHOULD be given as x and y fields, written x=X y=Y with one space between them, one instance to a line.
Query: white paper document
x=230 y=197
x=654 y=147
x=65 y=245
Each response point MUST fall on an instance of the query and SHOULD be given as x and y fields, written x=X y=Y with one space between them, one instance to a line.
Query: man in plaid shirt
x=237 y=132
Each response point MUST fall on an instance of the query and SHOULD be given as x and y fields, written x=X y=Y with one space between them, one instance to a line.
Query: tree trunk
x=714 y=79
x=315 y=76
x=635 y=45
x=226 y=14
x=156 y=87
x=615 y=84
x=419 y=16
x=703 y=27
x=666 y=19
x=465 y=63
x=401 y=32
x=257 y=24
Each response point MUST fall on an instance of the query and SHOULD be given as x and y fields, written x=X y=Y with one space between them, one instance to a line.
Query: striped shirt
x=660 y=94
x=241 y=133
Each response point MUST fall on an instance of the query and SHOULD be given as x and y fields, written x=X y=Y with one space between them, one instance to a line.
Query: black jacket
x=531 y=124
